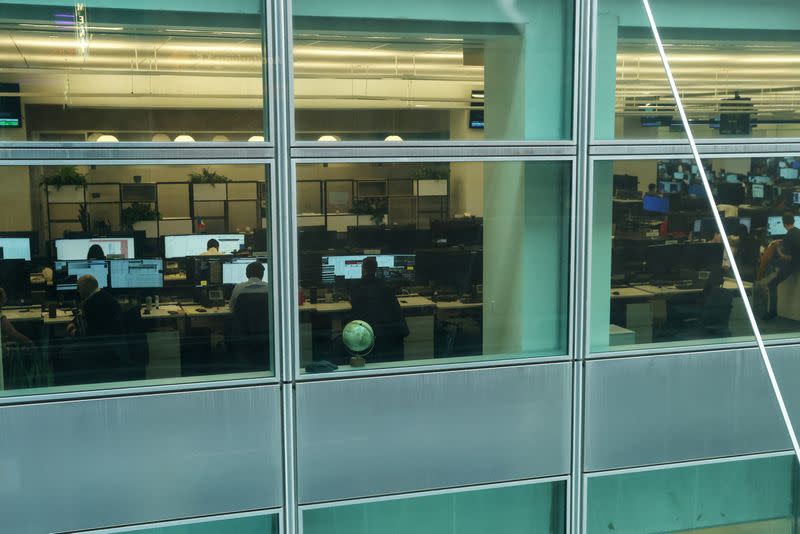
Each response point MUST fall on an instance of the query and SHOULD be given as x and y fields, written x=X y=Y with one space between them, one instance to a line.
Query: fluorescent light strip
x=721 y=228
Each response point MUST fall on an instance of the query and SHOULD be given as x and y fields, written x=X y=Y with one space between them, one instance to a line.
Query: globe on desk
x=359 y=339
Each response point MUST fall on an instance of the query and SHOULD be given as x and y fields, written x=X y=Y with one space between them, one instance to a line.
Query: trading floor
x=670 y=278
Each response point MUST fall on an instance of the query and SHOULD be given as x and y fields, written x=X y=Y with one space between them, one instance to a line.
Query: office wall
x=646 y=170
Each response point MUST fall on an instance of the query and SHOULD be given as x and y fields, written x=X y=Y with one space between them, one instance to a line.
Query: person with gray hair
x=100 y=313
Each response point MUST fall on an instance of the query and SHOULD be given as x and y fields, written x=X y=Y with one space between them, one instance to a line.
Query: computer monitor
x=78 y=248
x=789 y=173
x=465 y=232
x=732 y=178
x=733 y=194
x=15 y=248
x=235 y=270
x=313 y=238
x=391 y=267
x=795 y=197
x=67 y=273
x=137 y=274
x=669 y=187
x=625 y=182
x=15 y=280
x=206 y=270
x=655 y=204
x=748 y=222
x=678 y=175
x=183 y=246
x=775 y=225
x=757 y=191
x=697 y=190
x=705 y=227
x=760 y=180
x=454 y=268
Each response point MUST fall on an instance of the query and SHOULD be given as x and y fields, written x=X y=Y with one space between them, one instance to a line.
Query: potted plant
x=376 y=208
x=65 y=186
x=140 y=216
x=204 y=184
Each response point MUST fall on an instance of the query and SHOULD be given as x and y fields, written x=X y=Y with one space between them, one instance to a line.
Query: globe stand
x=359 y=340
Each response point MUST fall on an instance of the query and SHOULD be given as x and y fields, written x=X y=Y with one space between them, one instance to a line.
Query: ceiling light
x=445 y=39
x=394 y=138
x=329 y=138
x=184 y=139
x=256 y=139
x=220 y=139
x=106 y=138
x=161 y=138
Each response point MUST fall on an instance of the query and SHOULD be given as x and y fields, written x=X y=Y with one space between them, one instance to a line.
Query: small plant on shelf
x=376 y=208
x=207 y=176
x=432 y=173
x=137 y=212
x=64 y=176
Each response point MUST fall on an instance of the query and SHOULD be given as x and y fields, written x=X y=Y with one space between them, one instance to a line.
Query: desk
x=22 y=315
x=457 y=305
x=164 y=311
x=192 y=310
x=626 y=293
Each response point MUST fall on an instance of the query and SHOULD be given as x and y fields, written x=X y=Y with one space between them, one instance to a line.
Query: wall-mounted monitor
x=10 y=106
x=789 y=174
x=78 y=248
x=182 y=246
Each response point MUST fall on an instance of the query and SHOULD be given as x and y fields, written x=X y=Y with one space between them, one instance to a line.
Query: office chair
x=250 y=329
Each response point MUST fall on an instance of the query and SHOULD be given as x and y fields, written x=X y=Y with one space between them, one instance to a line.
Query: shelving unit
x=329 y=203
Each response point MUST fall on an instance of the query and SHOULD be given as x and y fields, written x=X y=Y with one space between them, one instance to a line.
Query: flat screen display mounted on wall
x=10 y=106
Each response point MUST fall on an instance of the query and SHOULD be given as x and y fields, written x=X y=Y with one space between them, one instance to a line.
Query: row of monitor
x=175 y=246
x=136 y=273
x=775 y=226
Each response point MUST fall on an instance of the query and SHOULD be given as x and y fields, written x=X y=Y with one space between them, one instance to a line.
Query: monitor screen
x=78 y=249
x=796 y=197
x=748 y=222
x=15 y=248
x=137 y=274
x=655 y=204
x=390 y=267
x=235 y=271
x=758 y=190
x=732 y=178
x=181 y=246
x=697 y=190
x=789 y=174
x=669 y=187
x=677 y=175
x=775 y=225
x=10 y=106
x=66 y=273
x=760 y=179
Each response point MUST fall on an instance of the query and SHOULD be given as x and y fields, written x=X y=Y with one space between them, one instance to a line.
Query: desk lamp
x=359 y=340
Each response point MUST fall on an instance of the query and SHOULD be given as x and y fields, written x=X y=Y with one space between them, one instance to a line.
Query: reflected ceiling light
x=93 y=137
x=393 y=138
x=184 y=139
x=161 y=138
x=220 y=139
x=256 y=139
x=329 y=138
x=106 y=138
x=445 y=39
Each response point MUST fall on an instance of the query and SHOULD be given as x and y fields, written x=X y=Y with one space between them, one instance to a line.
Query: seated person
x=375 y=303
x=100 y=313
x=95 y=253
x=7 y=330
x=250 y=307
x=212 y=248
x=787 y=255
x=254 y=284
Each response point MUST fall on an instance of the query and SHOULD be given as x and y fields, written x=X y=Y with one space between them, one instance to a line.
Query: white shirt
x=253 y=285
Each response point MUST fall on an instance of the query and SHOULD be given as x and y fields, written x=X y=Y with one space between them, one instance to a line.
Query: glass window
x=732 y=497
x=512 y=510
x=449 y=70
x=251 y=524
x=657 y=252
x=732 y=61
x=115 y=273
x=445 y=262
x=117 y=70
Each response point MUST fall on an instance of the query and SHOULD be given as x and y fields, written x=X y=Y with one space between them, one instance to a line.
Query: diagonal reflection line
x=712 y=202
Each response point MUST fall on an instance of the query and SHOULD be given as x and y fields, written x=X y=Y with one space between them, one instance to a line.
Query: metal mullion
x=203 y=153
x=683 y=149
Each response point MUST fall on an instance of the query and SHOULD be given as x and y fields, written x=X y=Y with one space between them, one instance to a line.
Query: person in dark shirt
x=374 y=302
x=789 y=262
x=95 y=253
x=100 y=314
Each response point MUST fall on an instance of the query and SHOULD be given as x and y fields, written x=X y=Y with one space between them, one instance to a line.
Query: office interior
x=152 y=225
x=732 y=65
x=144 y=72
x=457 y=243
x=665 y=269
